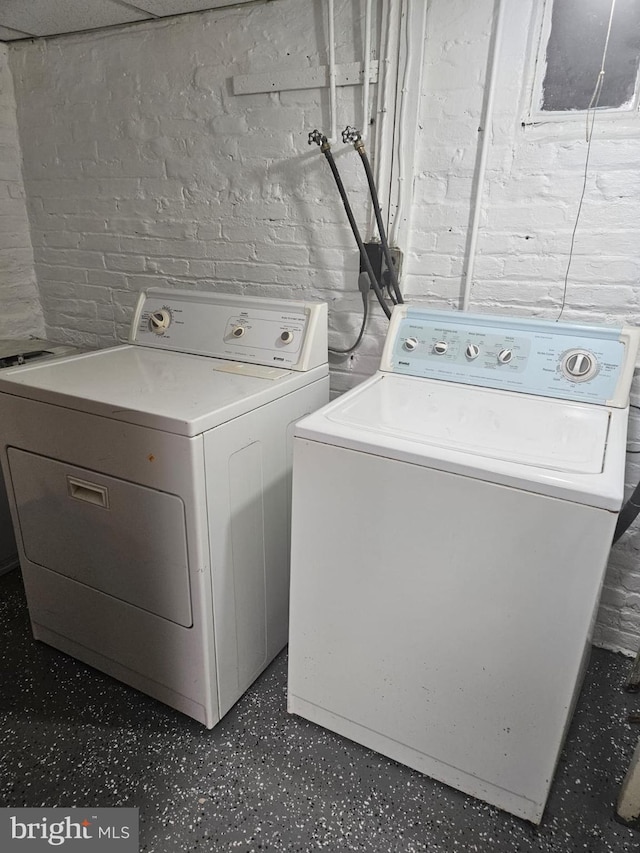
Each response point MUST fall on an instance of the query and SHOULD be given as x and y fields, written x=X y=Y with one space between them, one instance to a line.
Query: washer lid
x=526 y=430
x=553 y=447
x=175 y=392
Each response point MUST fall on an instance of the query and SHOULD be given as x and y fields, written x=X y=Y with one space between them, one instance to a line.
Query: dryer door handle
x=91 y=493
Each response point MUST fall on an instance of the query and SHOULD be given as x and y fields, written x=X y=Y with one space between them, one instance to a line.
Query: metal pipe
x=332 y=75
x=366 y=69
x=415 y=16
x=485 y=130
x=387 y=81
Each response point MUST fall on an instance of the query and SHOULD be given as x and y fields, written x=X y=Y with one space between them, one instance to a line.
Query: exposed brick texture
x=20 y=311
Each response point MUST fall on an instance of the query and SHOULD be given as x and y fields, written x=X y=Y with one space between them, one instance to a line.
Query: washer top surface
x=538 y=405
x=558 y=448
x=564 y=436
x=176 y=392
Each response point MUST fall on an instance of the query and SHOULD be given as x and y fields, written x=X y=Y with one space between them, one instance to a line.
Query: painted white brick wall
x=143 y=168
x=20 y=310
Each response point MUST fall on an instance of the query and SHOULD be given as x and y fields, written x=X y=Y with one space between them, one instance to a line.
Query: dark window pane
x=574 y=53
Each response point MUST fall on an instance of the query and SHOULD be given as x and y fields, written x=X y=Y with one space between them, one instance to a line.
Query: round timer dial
x=579 y=365
x=472 y=351
x=159 y=321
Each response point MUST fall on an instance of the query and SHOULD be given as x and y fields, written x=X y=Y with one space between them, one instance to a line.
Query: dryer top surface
x=177 y=392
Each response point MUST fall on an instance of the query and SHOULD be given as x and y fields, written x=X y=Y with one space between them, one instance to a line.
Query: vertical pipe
x=366 y=70
x=411 y=58
x=385 y=112
x=332 y=75
x=484 y=152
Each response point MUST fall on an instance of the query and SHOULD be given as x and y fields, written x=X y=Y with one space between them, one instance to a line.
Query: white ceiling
x=21 y=19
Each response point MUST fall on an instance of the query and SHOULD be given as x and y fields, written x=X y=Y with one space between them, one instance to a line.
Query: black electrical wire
x=388 y=288
x=350 y=134
x=363 y=284
x=630 y=510
x=320 y=139
x=628 y=514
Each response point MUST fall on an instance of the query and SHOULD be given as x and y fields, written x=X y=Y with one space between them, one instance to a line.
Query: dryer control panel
x=253 y=330
x=573 y=362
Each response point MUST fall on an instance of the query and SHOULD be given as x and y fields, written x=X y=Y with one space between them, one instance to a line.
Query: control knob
x=440 y=347
x=238 y=331
x=159 y=321
x=472 y=351
x=410 y=344
x=286 y=337
x=505 y=356
x=579 y=365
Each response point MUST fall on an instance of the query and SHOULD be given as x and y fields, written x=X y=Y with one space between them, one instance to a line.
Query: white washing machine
x=150 y=490
x=452 y=518
x=14 y=351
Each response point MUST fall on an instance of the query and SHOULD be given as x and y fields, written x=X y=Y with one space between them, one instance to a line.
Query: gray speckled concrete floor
x=263 y=780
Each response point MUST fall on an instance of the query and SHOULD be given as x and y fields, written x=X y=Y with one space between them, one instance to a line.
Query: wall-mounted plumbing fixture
x=325 y=147
x=353 y=135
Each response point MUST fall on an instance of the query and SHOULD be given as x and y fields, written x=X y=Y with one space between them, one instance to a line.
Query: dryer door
x=126 y=540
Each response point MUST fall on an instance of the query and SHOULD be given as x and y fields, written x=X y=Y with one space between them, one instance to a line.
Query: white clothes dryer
x=150 y=490
x=452 y=519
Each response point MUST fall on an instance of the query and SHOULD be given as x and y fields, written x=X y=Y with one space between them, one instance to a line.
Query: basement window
x=571 y=46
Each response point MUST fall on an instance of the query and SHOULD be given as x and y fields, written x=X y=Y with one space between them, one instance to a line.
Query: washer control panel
x=255 y=330
x=573 y=362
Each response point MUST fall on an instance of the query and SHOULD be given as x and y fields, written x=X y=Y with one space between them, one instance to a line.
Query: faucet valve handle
x=317 y=137
x=351 y=134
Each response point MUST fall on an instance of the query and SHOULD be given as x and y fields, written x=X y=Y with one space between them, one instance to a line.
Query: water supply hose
x=351 y=134
x=321 y=140
x=363 y=285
